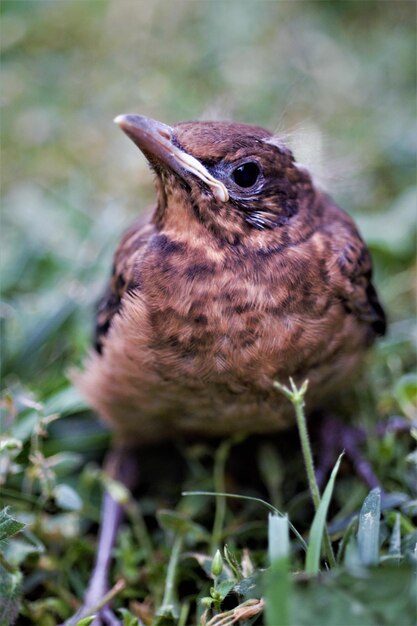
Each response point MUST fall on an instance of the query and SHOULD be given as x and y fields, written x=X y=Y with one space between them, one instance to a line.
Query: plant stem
x=296 y=397
x=219 y=487
x=222 y=454
x=306 y=450
x=139 y=527
x=106 y=599
x=169 y=606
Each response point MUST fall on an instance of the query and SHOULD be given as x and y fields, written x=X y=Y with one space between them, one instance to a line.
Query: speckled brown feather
x=210 y=302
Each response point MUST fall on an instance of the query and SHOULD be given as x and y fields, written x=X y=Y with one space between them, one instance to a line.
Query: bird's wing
x=350 y=267
x=125 y=276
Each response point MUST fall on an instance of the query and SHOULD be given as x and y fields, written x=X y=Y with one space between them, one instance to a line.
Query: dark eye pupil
x=246 y=174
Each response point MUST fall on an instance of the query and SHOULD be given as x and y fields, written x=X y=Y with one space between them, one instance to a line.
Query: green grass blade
x=278 y=582
x=318 y=526
x=259 y=500
x=278 y=537
x=169 y=607
x=368 y=530
x=395 y=539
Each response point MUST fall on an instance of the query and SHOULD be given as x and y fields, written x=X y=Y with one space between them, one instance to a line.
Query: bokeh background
x=336 y=78
x=339 y=77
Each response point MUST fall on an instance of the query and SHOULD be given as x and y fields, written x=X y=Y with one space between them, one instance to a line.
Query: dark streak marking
x=201 y=319
x=167 y=246
x=200 y=270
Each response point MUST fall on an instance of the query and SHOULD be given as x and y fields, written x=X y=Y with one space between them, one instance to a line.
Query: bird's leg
x=121 y=465
x=336 y=436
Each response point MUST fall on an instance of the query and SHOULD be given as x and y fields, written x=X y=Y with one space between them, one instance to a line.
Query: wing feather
x=350 y=266
x=125 y=277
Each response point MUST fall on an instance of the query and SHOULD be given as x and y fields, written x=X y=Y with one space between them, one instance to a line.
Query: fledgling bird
x=244 y=273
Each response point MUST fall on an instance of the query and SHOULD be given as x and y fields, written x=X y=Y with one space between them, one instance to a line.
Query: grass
x=340 y=76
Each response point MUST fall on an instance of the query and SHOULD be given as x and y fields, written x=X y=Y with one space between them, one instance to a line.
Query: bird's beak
x=155 y=140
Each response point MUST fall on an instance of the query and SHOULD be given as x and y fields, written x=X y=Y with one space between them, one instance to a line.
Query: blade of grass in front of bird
x=368 y=530
x=348 y=535
x=169 y=606
x=278 y=582
x=319 y=523
x=394 y=549
x=278 y=537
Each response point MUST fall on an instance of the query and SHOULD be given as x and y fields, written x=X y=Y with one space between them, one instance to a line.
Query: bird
x=244 y=273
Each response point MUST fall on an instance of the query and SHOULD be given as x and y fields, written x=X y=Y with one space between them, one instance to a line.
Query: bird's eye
x=246 y=174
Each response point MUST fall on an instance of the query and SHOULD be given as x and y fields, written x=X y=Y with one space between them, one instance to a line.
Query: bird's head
x=233 y=179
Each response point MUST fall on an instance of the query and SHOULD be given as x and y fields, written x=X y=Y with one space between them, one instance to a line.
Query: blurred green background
x=337 y=79
x=340 y=77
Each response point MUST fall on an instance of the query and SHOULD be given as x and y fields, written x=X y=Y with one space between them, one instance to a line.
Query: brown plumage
x=243 y=274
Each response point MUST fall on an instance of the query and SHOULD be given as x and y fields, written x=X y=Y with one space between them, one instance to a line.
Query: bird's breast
x=198 y=347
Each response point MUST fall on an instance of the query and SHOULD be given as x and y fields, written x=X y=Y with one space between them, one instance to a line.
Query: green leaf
x=368 y=529
x=86 y=621
x=23 y=427
x=405 y=393
x=167 y=617
x=224 y=588
x=383 y=596
x=11 y=445
x=64 y=462
x=128 y=618
x=66 y=401
x=181 y=524
x=10 y=595
x=118 y=491
x=250 y=587
x=8 y=525
x=67 y=498
x=317 y=528
x=18 y=548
